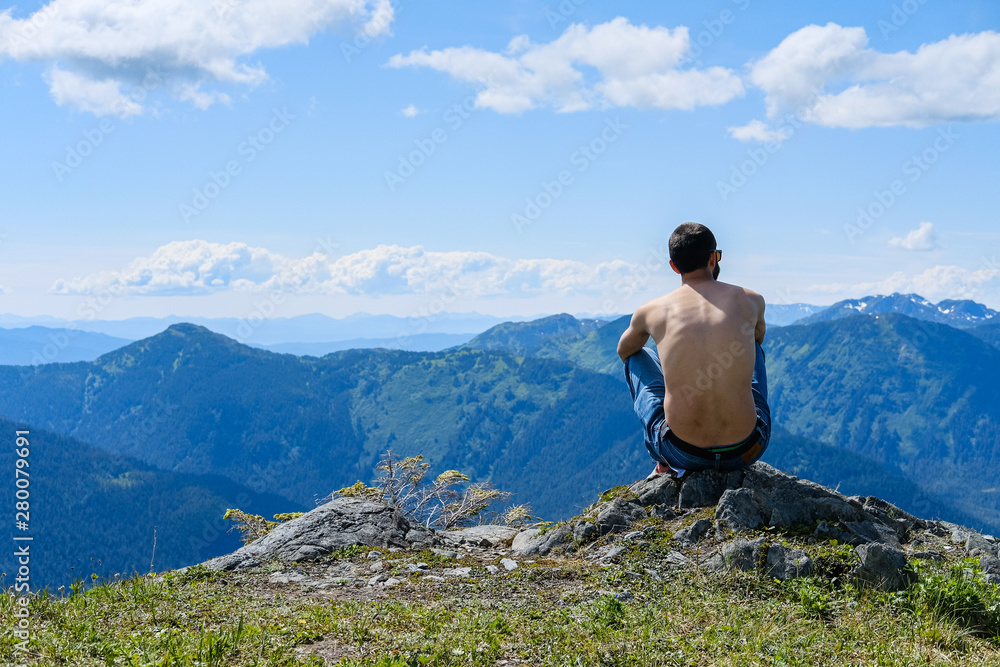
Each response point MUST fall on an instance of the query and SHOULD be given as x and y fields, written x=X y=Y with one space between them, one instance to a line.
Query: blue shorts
x=645 y=380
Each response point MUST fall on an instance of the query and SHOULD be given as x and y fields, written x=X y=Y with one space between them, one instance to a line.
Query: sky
x=282 y=157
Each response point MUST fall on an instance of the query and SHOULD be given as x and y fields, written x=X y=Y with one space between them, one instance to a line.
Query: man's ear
x=674 y=267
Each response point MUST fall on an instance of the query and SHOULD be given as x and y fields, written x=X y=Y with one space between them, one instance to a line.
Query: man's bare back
x=704 y=333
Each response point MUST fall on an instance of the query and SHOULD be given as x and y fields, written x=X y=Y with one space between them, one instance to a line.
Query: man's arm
x=761 y=328
x=635 y=336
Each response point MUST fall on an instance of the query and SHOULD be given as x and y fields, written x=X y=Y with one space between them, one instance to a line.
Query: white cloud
x=97 y=48
x=380 y=20
x=410 y=111
x=829 y=76
x=756 y=130
x=936 y=283
x=200 y=267
x=921 y=238
x=633 y=66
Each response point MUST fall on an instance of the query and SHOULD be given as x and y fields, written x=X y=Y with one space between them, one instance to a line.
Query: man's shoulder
x=754 y=296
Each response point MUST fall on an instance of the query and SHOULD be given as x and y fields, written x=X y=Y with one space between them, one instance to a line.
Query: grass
x=551 y=612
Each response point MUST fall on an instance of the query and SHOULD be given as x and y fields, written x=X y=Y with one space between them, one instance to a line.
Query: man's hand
x=635 y=336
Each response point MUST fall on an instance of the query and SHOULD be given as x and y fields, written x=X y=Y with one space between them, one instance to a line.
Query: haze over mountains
x=882 y=404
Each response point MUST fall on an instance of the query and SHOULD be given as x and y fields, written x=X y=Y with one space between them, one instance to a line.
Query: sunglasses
x=718 y=255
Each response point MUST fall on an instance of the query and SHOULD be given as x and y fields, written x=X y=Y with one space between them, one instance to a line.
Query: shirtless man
x=709 y=383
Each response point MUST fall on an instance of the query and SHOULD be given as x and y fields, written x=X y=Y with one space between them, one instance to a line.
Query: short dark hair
x=691 y=246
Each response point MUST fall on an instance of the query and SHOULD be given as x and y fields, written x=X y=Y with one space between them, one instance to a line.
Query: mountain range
x=881 y=404
x=957 y=313
x=96 y=512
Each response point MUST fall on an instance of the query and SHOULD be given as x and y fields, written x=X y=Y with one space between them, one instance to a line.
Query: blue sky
x=336 y=156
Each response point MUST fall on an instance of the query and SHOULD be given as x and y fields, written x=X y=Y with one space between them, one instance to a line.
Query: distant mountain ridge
x=957 y=313
x=95 y=512
x=36 y=344
x=885 y=404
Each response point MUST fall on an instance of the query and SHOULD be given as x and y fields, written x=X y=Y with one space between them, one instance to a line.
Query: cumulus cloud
x=936 y=283
x=828 y=75
x=95 y=48
x=200 y=267
x=410 y=111
x=921 y=238
x=756 y=130
x=614 y=64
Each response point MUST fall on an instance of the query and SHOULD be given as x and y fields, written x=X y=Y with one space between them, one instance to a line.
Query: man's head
x=691 y=248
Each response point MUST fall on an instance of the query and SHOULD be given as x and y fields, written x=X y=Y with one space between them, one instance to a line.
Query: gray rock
x=618 y=515
x=871 y=531
x=391 y=581
x=457 y=572
x=375 y=568
x=492 y=569
x=633 y=535
x=737 y=512
x=878 y=507
x=784 y=563
x=508 y=564
x=929 y=555
x=740 y=554
x=663 y=512
x=660 y=490
x=694 y=532
x=288 y=577
x=977 y=541
x=420 y=538
x=676 y=559
x=342 y=522
x=705 y=487
x=482 y=536
x=992 y=579
x=445 y=553
x=989 y=564
x=378 y=578
x=433 y=577
x=584 y=531
x=882 y=567
x=542 y=544
x=524 y=538
x=608 y=553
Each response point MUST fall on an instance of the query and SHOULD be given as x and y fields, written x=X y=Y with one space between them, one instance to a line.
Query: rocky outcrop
x=712 y=516
x=342 y=522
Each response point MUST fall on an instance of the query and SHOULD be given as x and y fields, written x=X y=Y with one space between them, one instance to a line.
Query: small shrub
x=254 y=526
x=448 y=501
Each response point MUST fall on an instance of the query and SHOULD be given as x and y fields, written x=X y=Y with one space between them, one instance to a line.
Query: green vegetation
x=551 y=612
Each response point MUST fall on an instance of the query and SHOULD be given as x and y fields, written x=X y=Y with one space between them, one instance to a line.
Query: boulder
x=705 y=487
x=882 y=567
x=989 y=564
x=660 y=490
x=584 y=531
x=784 y=563
x=540 y=543
x=694 y=532
x=342 y=522
x=737 y=512
x=482 y=536
x=617 y=515
x=740 y=554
